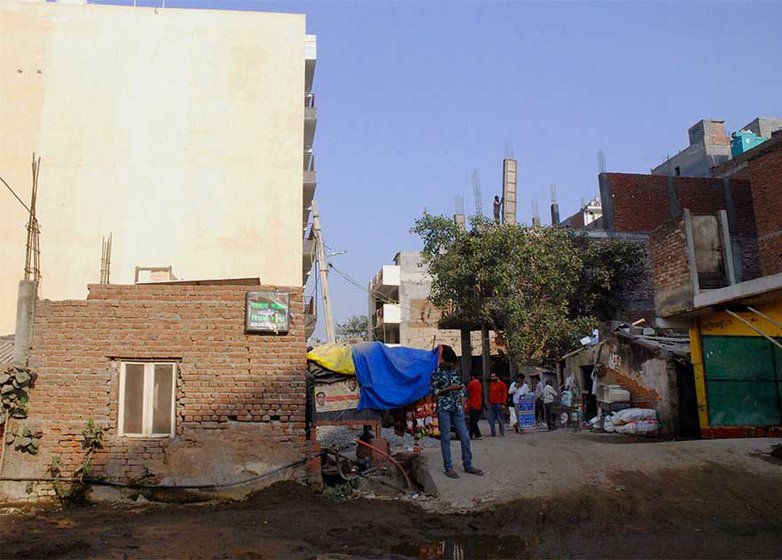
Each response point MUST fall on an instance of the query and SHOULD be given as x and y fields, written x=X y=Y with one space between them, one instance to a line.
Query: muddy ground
x=709 y=511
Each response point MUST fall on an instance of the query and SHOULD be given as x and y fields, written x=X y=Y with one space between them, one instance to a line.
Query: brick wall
x=766 y=172
x=421 y=328
x=670 y=268
x=641 y=202
x=575 y=221
x=240 y=404
x=645 y=373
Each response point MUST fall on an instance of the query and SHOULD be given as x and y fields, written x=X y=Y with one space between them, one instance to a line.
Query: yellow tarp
x=336 y=357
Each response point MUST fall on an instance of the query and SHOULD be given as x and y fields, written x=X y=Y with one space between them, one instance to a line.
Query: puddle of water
x=469 y=548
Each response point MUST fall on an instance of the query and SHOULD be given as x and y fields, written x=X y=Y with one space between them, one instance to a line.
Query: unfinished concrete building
x=192 y=152
x=710 y=147
x=399 y=309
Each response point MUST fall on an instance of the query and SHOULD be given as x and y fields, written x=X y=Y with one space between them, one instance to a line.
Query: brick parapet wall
x=670 y=268
x=766 y=173
x=641 y=203
x=241 y=398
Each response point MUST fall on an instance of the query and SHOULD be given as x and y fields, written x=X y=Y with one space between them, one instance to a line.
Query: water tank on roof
x=743 y=141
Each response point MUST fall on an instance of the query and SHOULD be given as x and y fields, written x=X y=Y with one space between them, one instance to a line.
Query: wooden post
x=466 y=354
x=485 y=362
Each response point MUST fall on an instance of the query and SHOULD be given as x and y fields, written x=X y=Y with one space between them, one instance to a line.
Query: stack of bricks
x=240 y=398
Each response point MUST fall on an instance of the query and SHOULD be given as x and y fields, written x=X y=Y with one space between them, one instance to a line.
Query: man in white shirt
x=517 y=389
x=549 y=393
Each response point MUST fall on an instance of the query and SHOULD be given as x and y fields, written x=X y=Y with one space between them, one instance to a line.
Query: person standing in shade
x=498 y=392
x=549 y=393
x=475 y=404
x=537 y=387
x=446 y=385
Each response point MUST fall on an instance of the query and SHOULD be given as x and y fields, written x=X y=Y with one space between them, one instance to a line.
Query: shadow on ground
x=706 y=512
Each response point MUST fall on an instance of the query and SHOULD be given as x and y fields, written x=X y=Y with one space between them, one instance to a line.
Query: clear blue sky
x=413 y=96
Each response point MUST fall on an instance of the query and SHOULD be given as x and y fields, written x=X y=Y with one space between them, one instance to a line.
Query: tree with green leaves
x=353 y=329
x=542 y=288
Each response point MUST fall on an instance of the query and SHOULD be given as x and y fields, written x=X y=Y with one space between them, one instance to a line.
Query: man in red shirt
x=498 y=396
x=474 y=404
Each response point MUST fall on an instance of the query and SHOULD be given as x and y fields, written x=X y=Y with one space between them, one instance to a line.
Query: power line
x=374 y=293
x=16 y=196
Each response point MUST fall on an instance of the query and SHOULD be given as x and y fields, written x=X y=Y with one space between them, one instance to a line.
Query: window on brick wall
x=147 y=395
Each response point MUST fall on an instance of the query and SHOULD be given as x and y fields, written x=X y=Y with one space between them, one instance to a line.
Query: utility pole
x=485 y=361
x=323 y=270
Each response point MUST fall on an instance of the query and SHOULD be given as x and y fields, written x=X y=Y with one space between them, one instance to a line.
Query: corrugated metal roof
x=6 y=349
x=679 y=346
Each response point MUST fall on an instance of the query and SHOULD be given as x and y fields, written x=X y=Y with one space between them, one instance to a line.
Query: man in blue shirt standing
x=447 y=386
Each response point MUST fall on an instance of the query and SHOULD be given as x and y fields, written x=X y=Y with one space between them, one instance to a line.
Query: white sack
x=640 y=427
x=634 y=415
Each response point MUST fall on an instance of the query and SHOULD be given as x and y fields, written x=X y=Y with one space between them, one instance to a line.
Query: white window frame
x=148 y=402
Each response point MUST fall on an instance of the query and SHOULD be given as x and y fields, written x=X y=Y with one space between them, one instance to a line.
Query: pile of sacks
x=632 y=421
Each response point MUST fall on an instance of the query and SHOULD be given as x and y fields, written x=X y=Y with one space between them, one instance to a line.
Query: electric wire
x=16 y=196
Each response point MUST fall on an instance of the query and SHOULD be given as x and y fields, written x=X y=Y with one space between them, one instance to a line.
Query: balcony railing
x=309 y=161
x=309 y=100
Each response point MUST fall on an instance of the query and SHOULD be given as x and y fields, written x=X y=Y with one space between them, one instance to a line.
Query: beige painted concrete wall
x=180 y=131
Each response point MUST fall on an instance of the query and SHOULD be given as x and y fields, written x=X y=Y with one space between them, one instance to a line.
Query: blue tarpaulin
x=391 y=377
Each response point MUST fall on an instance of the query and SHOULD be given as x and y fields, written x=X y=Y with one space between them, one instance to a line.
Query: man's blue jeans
x=454 y=418
x=495 y=413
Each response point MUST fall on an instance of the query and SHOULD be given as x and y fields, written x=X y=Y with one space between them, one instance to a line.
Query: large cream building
x=187 y=134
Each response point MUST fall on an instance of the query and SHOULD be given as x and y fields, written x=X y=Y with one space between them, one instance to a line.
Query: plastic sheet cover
x=335 y=357
x=391 y=377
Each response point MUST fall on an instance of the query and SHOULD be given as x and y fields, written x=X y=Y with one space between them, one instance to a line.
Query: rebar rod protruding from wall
x=476 y=190
x=535 y=213
x=105 y=260
x=32 y=262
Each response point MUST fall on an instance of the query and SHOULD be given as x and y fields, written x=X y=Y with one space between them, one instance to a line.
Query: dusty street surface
x=544 y=464
x=696 y=499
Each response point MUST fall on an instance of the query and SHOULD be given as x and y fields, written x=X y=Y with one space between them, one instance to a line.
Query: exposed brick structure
x=670 y=267
x=636 y=205
x=645 y=368
x=240 y=399
x=641 y=203
x=766 y=172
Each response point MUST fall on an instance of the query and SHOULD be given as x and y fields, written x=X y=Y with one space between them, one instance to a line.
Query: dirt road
x=694 y=503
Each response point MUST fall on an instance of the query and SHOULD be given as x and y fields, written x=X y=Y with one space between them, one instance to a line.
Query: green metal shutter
x=743 y=381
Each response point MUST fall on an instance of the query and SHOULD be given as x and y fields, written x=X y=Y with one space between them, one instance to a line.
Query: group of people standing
x=454 y=400
x=500 y=394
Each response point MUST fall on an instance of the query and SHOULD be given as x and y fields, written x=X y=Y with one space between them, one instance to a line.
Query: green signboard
x=267 y=311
